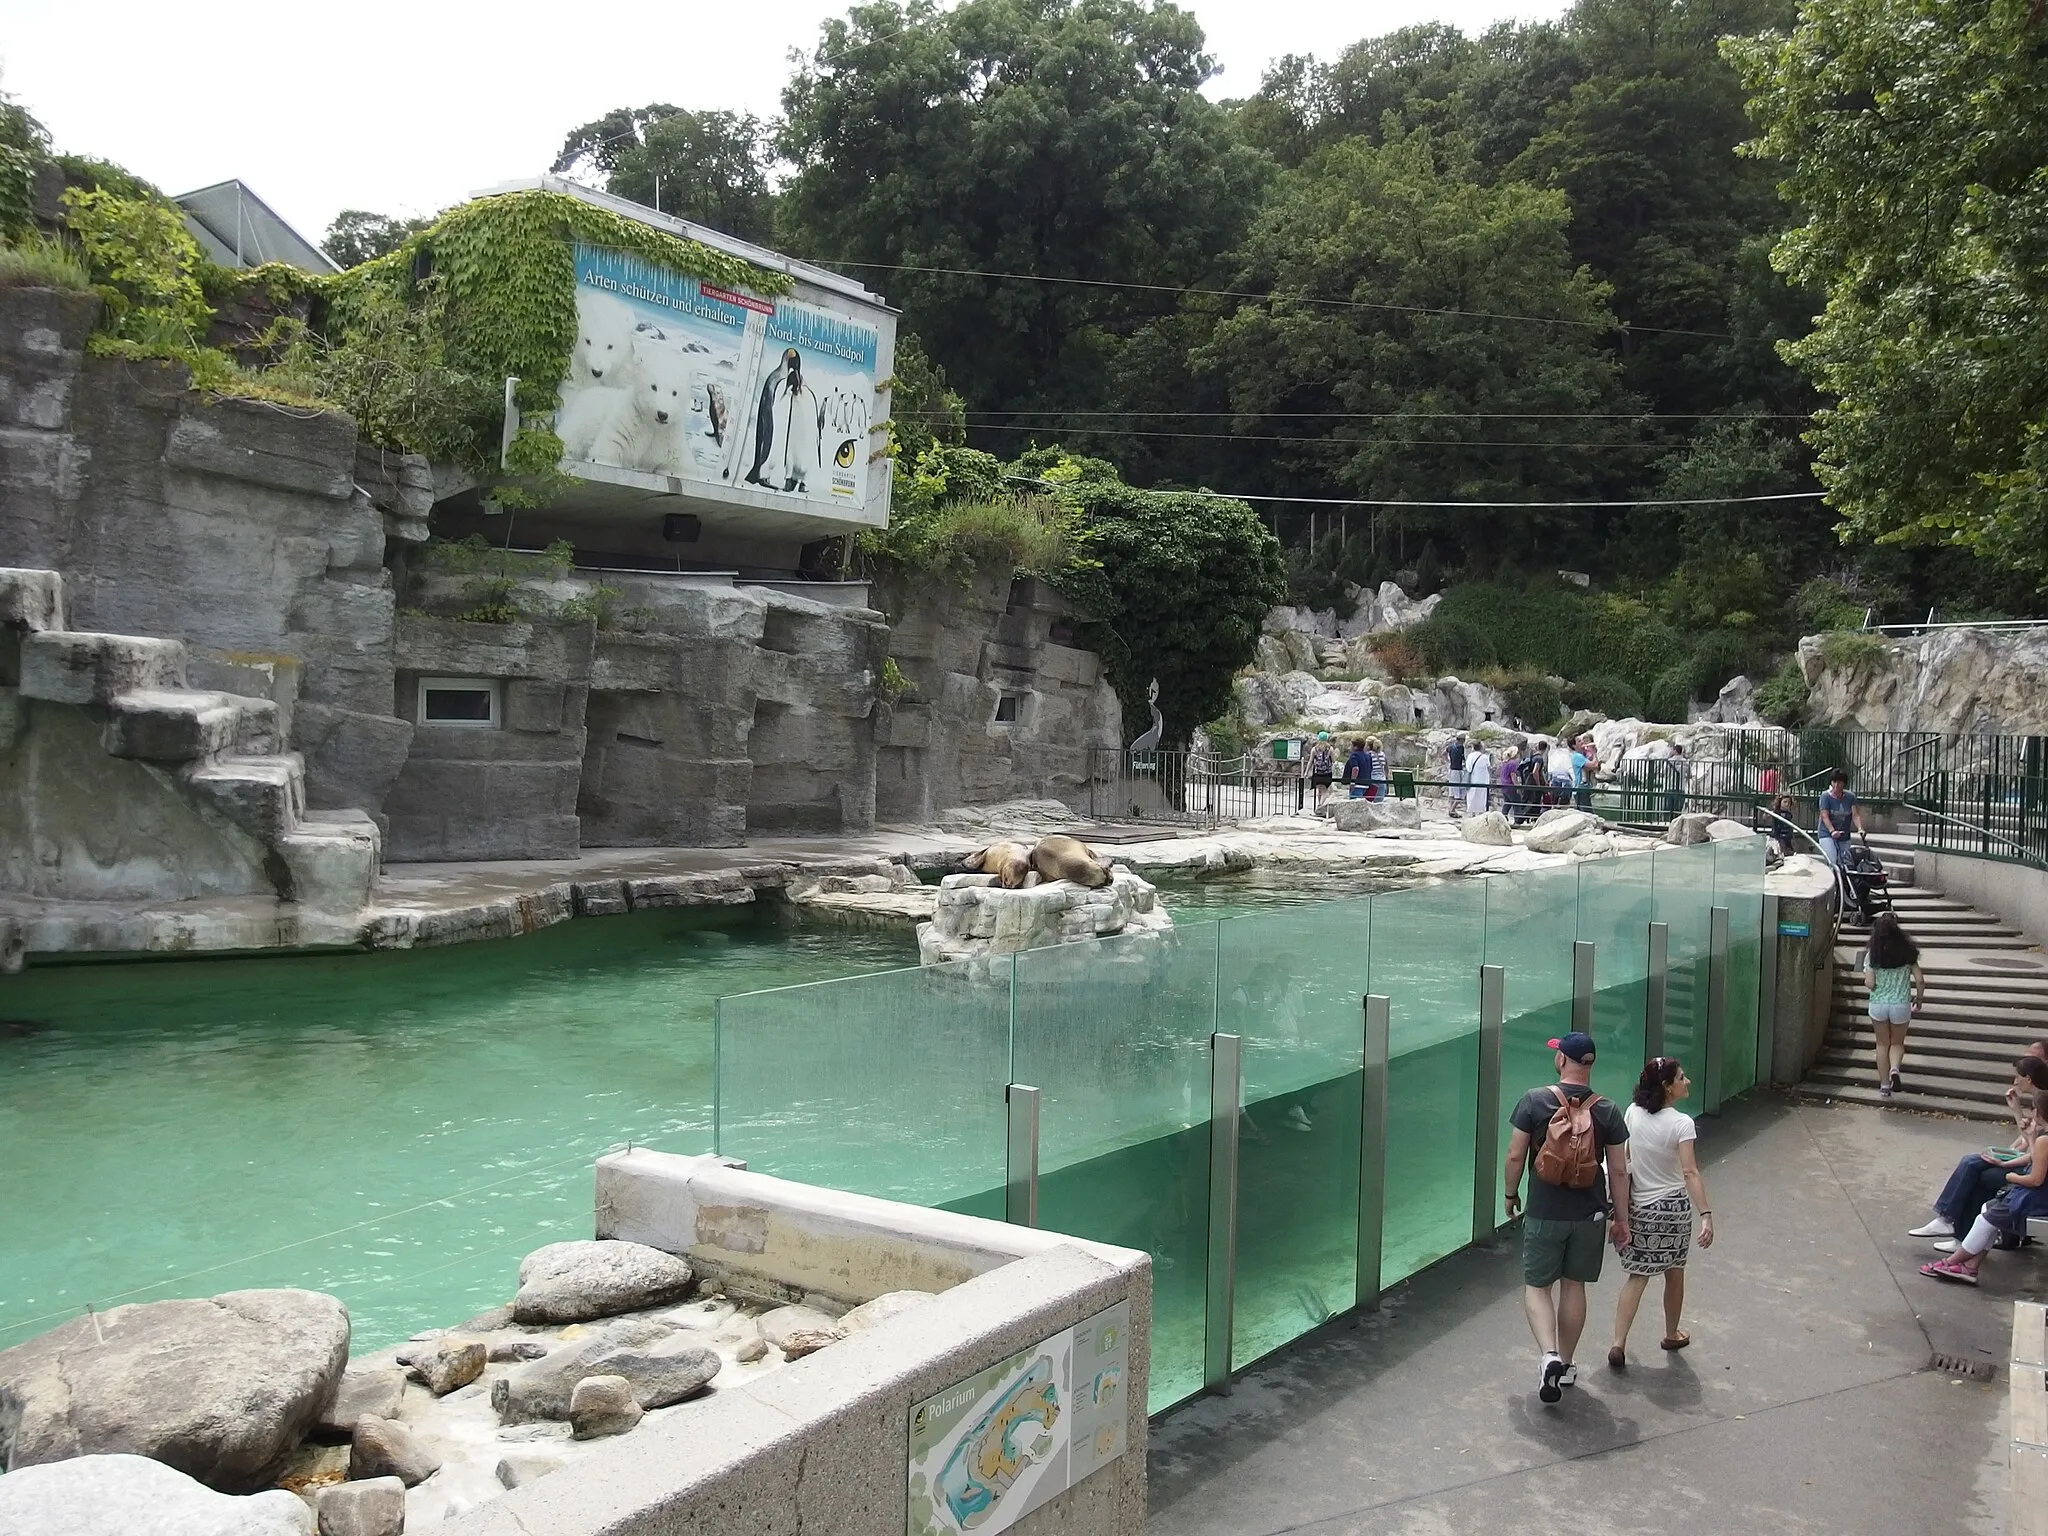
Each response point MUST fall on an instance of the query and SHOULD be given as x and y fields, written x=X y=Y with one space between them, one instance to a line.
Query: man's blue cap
x=1577 y=1046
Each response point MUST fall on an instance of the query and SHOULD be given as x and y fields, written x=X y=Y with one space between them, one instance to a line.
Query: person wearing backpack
x=1322 y=768
x=1566 y=1134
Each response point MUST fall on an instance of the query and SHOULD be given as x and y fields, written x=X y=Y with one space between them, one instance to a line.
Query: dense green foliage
x=1556 y=629
x=1913 y=135
x=357 y=236
x=711 y=167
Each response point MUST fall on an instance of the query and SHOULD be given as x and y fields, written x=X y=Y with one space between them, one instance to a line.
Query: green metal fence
x=1288 y=1110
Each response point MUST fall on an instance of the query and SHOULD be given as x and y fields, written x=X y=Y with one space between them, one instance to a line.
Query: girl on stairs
x=1891 y=969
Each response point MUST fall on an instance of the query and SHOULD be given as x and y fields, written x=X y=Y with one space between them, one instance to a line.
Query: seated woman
x=1981 y=1175
x=2025 y=1196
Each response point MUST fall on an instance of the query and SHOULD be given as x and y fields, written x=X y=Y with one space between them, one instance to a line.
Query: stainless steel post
x=1767 y=996
x=1020 y=1191
x=1656 y=979
x=1717 y=1003
x=1372 y=1151
x=1226 y=1084
x=1493 y=1013
x=1582 y=985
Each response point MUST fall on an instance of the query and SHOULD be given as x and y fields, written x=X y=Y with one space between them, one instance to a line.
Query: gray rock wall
x=232 y=525
x=961 y=649
x=1972 y=680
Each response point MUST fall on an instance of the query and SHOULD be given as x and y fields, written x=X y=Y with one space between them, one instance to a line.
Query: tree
x=708 y=167
x=1385 y=350
x=1912 y=134
x=1066 y=139
x=357 y=236
x=1181 y=586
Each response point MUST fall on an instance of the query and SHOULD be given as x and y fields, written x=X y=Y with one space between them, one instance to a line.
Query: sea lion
x=1068 y=858
x=1010 y=863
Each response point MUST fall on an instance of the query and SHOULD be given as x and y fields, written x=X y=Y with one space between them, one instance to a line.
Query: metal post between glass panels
x=1717 y=1001
x=1493 y=1013
x=1656 y=976
x=1582 y=985
x=1372 y=1152
x=1767 y=994
x=1226 y=1085
x=1020 y=1187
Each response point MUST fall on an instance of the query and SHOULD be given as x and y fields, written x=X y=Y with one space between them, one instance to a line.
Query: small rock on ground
x=776 y=1326
x=573 y=1282
x=889 y=1304
x=1489 y=827
x=603 y=1405
x=386 y=1448
x=449 y=1362
x=516 y=1349
x=371 y=1507
x=518 y=1468
x=663 y=1372
x=808 y=1341
x=371 y=1390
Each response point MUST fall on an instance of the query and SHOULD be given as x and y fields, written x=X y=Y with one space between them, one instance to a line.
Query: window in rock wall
x=1009 y=708
x=463 y=701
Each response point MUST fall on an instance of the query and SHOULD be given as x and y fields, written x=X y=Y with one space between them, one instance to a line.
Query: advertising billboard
x=676 y=377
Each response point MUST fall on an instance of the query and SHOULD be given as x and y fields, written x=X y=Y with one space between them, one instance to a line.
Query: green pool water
x=397 y=1128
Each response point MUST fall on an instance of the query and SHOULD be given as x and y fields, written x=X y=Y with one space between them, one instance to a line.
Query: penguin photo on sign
x=786 y=429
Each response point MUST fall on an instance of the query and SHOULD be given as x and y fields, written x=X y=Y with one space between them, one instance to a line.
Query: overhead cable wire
x=1269 y=437
x=942 y=415
x=1366 y=503
x=1293 y=298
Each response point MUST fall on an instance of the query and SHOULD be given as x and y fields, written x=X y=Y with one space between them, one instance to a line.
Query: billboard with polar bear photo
x=675 y=377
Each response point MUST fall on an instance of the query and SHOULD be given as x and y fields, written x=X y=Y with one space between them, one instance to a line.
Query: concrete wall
x=2015 y=892
x=1805 y=889
x=821 y=1445
x=962 y=648
x=234 y=526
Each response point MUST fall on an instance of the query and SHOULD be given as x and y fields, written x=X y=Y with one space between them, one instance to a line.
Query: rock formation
x=977 y=918
x=570 y=1282
x=1980 y=681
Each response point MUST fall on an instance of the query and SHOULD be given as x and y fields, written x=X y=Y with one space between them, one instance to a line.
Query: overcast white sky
x=406 y=108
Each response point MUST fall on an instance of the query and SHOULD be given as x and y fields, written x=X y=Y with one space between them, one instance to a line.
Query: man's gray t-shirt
x=1552 y=1202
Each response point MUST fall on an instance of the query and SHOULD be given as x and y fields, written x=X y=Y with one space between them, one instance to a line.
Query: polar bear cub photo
x=603 y=364
x=644 y=429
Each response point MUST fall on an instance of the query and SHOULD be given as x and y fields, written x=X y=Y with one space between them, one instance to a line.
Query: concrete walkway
x=1807 y=1402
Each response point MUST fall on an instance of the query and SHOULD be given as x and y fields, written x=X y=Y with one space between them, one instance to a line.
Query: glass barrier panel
x=1616 y=900
x=1292 y=985
x=1684 y=897
x=1739 y=886
x=1424 y=952
x=890 y=1084
x=1115 y=1036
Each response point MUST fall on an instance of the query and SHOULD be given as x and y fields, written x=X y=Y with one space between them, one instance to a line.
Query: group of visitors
x=1527 y=779
x=1990 y=1196
x=1364 y=775
x=1601 y=1175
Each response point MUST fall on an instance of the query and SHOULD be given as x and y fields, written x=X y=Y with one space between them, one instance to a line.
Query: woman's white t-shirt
x=1653 y=1141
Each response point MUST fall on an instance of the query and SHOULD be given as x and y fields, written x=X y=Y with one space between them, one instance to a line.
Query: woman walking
x=1664 y=1190
x=1891 y=969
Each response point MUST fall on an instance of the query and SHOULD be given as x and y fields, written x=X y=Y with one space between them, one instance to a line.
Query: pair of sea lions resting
x=1016 y=866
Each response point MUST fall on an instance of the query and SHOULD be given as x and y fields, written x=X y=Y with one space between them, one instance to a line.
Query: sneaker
x=1946 y=1245
x=1896 y=1084
x=1939 y=1227
x=1570 y=1378
x=1884 y=1090
x=1547 y=1387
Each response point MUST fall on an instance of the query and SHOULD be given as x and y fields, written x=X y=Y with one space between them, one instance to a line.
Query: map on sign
x=988 y=1450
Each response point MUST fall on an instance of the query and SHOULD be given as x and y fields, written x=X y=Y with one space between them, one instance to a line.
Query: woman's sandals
x=1678 y=1340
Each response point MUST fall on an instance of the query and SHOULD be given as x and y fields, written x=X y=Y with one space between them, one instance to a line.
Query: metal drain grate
x=1956 y=1365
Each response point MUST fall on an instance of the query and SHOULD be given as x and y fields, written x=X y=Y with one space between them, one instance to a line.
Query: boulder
x=371 y=1390
x=516 y=1349
x=1373 y=815
x=220 y=1389
x=1488 y=827
x=603 y=1405
x=1735 y=704
x=1722 y=829
x=1463 y=706
x=573 y=1282
x=1689 y=827
x=123 y=1495
x=541 y=1389
x=779 y=1325
x=662 y=1372
x=449 y=1362
x=386 y=1448
x=885 y=1306
x=974 y=919
x=1592 y=846
x=373 y=1506
x=1558 y=828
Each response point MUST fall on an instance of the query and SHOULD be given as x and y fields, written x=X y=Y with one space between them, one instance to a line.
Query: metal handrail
x=1976 y=831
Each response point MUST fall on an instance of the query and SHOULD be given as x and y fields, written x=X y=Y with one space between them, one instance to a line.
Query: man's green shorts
x=1562 y=1250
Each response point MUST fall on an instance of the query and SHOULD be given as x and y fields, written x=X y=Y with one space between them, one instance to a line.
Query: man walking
x=1454 y=758
x=1573 y=1210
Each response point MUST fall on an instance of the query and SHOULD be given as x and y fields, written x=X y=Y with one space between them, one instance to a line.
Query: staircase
x=1987 y=1001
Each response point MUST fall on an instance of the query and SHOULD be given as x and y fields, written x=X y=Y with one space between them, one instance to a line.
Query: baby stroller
x=1865 y=887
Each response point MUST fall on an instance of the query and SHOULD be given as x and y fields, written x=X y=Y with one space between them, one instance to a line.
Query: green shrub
x=1851 y=650
x=38 y=262
x=1782 y=698
x=1451 y=644
x=1557 y=630
x=1671 y=693
x=1532 y=699
x=1718 y=656
x=1611 y=696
